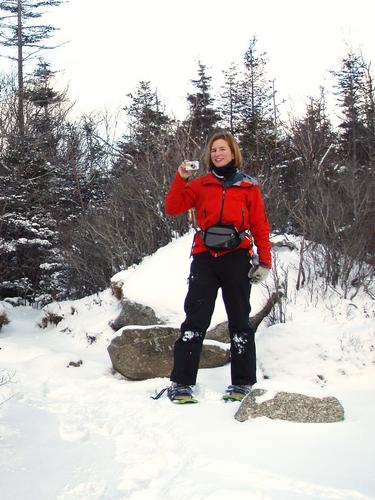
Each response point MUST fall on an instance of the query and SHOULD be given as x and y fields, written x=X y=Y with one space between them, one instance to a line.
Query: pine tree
x=369 y=111
x=230 y=102
x=31 y=260
x=144 y=151
x=18 y=30
x=202 y=117
x=86 y=162
x=147 y=119
x=257 y=128
x=311 y=161
x=355 y=95
x=31 y=252
x=311 y=138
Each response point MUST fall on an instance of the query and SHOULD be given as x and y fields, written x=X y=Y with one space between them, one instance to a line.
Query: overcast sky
x=113 y=44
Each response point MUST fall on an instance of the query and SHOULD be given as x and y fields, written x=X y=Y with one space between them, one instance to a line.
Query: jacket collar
x=240 y=179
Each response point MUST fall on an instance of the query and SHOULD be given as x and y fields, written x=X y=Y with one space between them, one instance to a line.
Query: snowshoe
x=236 y=392
x=178 y=394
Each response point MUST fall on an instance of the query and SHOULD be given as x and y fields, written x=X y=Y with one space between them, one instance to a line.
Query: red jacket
x=242 y=205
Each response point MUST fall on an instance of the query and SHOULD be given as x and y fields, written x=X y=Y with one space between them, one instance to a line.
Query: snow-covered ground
x=85 y=433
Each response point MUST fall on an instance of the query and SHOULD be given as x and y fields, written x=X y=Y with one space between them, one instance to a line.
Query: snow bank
x=81 y=432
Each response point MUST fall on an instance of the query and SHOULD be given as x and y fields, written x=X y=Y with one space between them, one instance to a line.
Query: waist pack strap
x=241 y=234
x=222 y=237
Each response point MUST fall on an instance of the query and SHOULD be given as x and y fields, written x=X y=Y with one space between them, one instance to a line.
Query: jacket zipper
x=222 y=205
x=221 y=213
x=222 y=209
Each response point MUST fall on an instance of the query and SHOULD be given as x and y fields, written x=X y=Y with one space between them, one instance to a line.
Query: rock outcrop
x=133 y=313
x=289 y=406
x=142 y=353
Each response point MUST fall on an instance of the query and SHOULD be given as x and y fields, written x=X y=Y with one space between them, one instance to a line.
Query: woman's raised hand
x=185 y=174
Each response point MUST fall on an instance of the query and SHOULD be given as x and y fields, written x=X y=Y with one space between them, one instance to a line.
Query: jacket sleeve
x=259 y=227
x=180 y=197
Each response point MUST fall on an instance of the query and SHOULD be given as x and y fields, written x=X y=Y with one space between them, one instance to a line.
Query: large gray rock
x=133 y=313
x=289 y=406
x=143 y=353
x=220 y=333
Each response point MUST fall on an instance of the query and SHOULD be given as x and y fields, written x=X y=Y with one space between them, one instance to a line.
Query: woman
x=230 y=213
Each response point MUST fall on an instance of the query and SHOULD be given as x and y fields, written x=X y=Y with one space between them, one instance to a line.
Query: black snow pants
x=207 y=274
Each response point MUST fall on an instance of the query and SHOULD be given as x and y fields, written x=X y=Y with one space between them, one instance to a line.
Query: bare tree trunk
x=275 y=124
x=20 y=113
x=73 y=162
x=266 y=309
x=301 y=274
x=221 y=333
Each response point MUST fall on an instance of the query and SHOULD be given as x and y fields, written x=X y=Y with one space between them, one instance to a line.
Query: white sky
x=115 y=44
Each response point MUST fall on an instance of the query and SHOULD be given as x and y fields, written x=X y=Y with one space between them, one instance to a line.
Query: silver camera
x=192 y=165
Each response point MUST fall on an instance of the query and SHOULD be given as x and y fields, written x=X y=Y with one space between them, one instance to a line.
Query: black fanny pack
x=222 y=237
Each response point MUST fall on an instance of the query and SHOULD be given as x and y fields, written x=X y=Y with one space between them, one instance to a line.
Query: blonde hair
x=232 y=143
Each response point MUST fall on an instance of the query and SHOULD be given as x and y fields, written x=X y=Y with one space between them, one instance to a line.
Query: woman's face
x=221 y=153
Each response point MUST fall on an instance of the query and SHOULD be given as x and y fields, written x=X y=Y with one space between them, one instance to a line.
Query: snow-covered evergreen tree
x=32 y=261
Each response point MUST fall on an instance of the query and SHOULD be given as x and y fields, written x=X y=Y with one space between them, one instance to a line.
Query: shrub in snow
x=5 y=379
x=116 y=288
x=50 y=318
x=4 y=318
